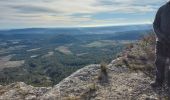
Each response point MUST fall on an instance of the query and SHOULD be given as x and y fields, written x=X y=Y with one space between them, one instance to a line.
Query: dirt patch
x=6 y=63
x=64 y=50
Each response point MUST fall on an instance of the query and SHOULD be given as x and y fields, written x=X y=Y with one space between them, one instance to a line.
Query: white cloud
x=60 y=12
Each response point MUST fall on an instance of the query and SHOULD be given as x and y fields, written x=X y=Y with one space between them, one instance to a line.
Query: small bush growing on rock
x=125 y=62
x=103 y=75
x=103 y=67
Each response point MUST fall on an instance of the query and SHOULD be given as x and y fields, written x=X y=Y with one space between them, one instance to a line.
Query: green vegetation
x=103 y=67
x=49 y=59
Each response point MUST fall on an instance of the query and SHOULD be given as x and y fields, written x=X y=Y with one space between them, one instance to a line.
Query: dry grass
x=103 y=67
x=142 y=55
x=103 y=74
x=148 y=46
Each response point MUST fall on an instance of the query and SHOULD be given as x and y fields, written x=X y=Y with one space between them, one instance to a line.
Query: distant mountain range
x=80 y=30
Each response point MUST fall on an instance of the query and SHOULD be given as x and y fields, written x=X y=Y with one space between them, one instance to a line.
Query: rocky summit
x=84 y=85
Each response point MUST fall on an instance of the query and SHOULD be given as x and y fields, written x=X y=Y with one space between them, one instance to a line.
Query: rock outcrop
x=122 y=84
x=21 y=91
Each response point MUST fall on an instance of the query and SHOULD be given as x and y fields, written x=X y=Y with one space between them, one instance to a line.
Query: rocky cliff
x=126 y=78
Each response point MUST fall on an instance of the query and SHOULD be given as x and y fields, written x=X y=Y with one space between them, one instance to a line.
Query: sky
x=76 y=13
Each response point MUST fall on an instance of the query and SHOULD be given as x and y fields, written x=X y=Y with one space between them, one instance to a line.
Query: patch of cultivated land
x=100 y=43
x=6 y=63
x=63 y=49
x=3 y=44
x=16 y=47
x=126 y=41
x=49 y=54
x=33 y=56
x=9 y=49
x=103 y=43
x=3 y=51
x=81 y=54
x=35 y=49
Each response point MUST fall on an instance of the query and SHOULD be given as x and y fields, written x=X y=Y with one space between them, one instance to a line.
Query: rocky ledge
x=119 y=84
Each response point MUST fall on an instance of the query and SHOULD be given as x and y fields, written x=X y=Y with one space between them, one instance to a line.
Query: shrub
x=92 y=87
x=103 y=67
x=103 y=74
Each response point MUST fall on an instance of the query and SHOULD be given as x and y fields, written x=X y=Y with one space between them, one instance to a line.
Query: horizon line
x=88 y=26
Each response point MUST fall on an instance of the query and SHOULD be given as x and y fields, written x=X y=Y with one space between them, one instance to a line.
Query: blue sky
x=76 y=13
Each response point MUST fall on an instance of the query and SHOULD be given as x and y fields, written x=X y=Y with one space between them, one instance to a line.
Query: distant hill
x=80 y=30
x=63 y=39
x=130 y=35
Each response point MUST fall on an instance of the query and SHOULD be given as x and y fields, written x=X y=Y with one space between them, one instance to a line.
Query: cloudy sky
x=73 y=13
